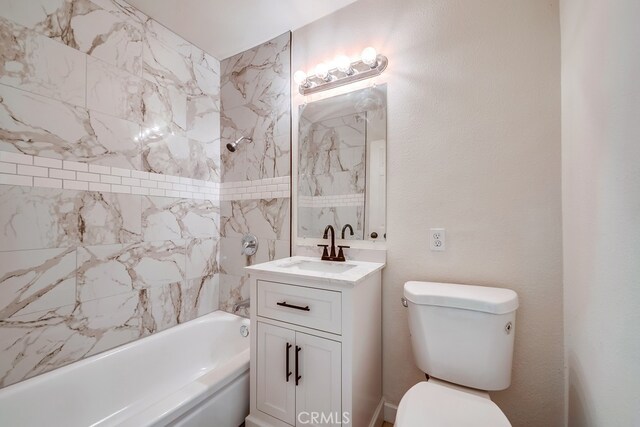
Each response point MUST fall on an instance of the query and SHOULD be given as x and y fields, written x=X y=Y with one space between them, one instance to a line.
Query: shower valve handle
x=249 y=245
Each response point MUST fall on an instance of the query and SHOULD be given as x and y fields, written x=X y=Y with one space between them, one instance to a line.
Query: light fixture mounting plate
x=361 y=70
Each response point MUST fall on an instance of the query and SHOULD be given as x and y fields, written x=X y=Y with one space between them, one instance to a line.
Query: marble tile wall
x=255 y=102
x=109 y=181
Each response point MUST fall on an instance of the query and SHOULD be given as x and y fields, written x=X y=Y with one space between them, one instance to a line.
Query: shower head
x=233 y=146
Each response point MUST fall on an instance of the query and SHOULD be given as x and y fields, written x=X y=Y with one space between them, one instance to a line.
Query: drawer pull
x=297 y=307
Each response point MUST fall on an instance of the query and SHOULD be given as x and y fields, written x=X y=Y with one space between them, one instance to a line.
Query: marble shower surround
x=255 y=94
x=255 y=101
x=105 y=236
x=98 y=74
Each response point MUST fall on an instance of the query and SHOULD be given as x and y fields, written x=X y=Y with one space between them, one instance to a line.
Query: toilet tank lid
x=467 y=297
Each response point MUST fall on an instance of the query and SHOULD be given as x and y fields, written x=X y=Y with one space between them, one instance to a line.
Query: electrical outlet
x=437 y=239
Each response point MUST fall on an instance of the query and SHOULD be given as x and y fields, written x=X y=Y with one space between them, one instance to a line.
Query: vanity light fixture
x=370 y=57
x=322 y=72
x=300 y=77
x=343 y=64
x=342 y=71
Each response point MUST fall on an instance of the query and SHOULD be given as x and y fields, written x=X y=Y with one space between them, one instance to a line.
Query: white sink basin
x=319 y=266
x=350 y=272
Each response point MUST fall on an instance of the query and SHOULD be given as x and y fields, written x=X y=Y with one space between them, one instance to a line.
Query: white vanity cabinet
x=316 y=346
x=309 y=382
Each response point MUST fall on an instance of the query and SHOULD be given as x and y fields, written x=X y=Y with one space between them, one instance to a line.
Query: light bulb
x=322 y=71
x=300 y=77
x=343 y=64
x=370 y=57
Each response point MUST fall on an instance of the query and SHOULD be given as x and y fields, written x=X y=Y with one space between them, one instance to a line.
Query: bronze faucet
x=345 y=229
x=331 y=256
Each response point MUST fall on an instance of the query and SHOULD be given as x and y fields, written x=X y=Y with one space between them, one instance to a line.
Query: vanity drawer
x=310 y=307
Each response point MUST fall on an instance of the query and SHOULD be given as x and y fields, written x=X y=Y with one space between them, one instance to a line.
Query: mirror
x=342 y=165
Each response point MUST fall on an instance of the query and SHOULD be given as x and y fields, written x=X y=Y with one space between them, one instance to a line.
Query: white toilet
x=462 y=338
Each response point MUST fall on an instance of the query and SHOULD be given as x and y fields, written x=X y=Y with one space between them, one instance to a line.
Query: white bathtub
x=195 y=374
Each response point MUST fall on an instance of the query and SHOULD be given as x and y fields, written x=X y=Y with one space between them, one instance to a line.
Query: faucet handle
x=325 y=252
x=341 y=252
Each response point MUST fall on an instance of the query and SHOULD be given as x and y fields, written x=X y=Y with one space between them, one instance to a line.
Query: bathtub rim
x=181 y=401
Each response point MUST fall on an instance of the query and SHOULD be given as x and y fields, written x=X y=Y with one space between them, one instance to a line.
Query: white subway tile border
x=7 y=179
x=7 y=167
x=33 y=171
x=331 y=201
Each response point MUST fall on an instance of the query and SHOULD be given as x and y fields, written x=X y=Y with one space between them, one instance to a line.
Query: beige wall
x=474 y=146
x=601 y=209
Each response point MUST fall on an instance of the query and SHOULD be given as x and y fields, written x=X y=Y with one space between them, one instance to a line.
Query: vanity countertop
x=349 y=272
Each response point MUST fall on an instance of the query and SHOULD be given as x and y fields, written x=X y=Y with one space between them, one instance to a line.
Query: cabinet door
x=275 y=381
x=319 y=390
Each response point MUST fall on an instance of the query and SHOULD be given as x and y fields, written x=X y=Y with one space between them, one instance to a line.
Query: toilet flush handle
x=404 y=302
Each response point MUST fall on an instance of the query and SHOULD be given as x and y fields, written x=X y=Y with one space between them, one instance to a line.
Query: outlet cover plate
x=437 y=239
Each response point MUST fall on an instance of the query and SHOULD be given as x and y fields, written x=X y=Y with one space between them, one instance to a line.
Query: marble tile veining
x=105 y=29
x=40 y=126
x=177 y=154
x=166 y=67
x=37 y=64
x=269 y=158
x=203 y=118
x=233 y=289
x=161 y=34
x=267 y=219
x=165 y=218
x=199 y=297
x=170 y=68
x=202 y=257
x=32 y=281
x=108 y=270
x=115 y=92
x=258 y=77
x=38 y=218
x=164 y=107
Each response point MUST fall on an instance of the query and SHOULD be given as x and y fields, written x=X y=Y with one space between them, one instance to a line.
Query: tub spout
x=239 y=305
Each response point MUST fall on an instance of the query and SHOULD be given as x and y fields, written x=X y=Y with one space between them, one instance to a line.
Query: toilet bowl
x=436 y=404
x=462 y=337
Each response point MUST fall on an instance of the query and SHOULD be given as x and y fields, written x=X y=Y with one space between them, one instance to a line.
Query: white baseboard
x=378 y=415
x=251 y=421
x=390 y=411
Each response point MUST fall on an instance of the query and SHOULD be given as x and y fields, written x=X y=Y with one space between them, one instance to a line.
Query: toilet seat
x=431 y=404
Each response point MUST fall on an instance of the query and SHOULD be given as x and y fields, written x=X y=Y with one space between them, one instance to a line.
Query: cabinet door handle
x=287 y=367
x=298 y=377
x=297 y=307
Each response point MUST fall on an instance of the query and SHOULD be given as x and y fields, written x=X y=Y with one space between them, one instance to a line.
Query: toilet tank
x=462 y=333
